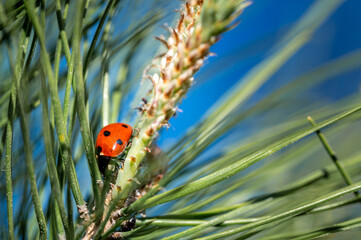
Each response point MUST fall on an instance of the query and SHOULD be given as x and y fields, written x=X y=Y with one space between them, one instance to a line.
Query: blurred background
x=262 y=29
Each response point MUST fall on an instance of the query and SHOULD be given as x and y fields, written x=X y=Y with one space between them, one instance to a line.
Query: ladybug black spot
x=125 y=126
x=106 y=133
x=119 y=142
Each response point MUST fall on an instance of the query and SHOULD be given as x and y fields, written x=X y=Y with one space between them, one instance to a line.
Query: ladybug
x=111 y=142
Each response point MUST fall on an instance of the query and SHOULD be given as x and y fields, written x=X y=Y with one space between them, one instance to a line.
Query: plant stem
x=8 y=167
x=117 y=95
x=187 y=222
x=55 y=102
x=96 y=36
x=346 y=177
x=53 y=174
x=105 y=69
x=8 y=160
x=18 y=70
x=79 y=92
x=293 y=212
x=184 y=57
x=59 y=225
x=219 y=210
x=80 y=103
x=69 y=204
x=30 y=168
x=69 y=81
x=69 y=58
x=234 y=168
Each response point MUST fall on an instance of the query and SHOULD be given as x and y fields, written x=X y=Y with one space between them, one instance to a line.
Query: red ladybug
x=111 y=142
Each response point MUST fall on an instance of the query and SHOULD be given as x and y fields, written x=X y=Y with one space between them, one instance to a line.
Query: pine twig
x=187 y=47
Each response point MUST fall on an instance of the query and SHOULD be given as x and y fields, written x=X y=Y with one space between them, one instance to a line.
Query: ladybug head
x=103 y=162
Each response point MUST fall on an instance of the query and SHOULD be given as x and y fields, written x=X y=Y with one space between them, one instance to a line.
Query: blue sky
x=261 y=25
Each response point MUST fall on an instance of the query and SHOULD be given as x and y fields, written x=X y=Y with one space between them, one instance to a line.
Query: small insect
x=111 y=142
x=128 y=225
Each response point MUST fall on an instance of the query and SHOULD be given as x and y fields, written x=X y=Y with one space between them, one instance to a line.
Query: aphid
x=111 y=142
x=144 y=100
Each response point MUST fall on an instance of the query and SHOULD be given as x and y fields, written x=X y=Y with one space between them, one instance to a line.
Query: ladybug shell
x=113 y=139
